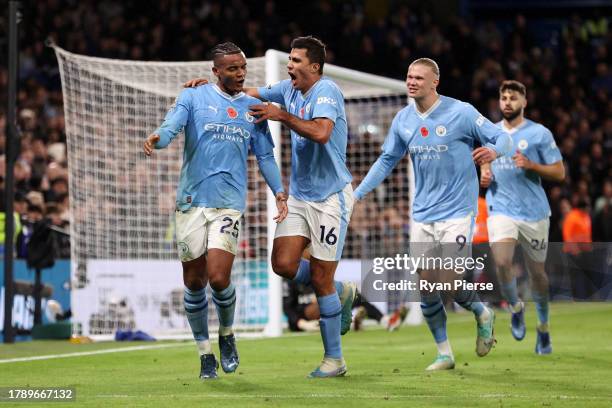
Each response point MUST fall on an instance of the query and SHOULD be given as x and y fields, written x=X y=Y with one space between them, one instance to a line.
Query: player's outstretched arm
x=379 y=171
x=393 y=149
x=554 y=171
x=173 y=123
x=195 y=82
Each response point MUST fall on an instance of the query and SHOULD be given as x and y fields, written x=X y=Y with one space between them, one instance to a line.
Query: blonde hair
x=428 y=62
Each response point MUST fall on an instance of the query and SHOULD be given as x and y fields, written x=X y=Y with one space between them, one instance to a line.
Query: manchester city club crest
x=440 y=131
x=183 y=248
x=522 y=144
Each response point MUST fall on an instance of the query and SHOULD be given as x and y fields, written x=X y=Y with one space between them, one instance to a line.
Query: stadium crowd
x=566 y=68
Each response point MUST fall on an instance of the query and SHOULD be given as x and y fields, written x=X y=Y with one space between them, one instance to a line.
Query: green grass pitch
x=384 y=369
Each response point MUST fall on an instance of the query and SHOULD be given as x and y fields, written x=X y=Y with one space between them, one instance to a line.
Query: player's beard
x=510 y=116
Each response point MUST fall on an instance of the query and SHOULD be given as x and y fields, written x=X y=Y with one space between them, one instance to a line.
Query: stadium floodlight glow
x=125 y=271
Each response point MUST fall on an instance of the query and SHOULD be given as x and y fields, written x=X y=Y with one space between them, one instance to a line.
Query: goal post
x=125 y=272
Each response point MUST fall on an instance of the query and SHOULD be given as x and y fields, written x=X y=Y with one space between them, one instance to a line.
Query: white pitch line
x=124 y=349
x=92 y=353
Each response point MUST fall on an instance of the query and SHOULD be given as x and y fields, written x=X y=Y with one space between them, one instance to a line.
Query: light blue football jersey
x=317 y=170
x=440 y=143
x=219 y=132
x=515 y=192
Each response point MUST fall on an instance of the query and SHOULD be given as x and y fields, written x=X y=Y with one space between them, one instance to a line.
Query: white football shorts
x=323 y=222
x=533 y=235
x=200 y=229
x=447 y=238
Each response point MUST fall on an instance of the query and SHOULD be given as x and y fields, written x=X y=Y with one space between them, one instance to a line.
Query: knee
x=218 y=281
x=194 y=274
x=193 y=281
x=504 y=265
x=284 y=265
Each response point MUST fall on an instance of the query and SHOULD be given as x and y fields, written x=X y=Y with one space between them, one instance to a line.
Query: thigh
x=503 y=235
x=422 y=241
x=328 y=223
x=191 y=233
x=223 y=229
x=288 y=250
x=295 y=223
x=501 y=227
x=455 y=235
x=503 y=252
x=534 y=239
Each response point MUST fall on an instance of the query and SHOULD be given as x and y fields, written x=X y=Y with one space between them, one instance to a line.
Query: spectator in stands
x=567 y=67
x=577 y=239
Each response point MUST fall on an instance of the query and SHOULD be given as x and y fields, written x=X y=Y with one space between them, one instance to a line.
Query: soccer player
x=519 y=209
x=211 y=195
x=320 y=193
x=439 y=133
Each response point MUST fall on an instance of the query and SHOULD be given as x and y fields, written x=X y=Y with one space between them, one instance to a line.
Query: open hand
x=192 y=83
x=281 y=206
x=149 y=144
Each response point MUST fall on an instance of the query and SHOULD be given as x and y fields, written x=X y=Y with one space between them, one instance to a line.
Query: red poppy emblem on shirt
x=302 y=113
x=231 y=112
x=424 y=131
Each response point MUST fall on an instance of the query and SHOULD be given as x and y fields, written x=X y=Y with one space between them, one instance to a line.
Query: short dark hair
x=512 y=85
x=315 y=49
x=223 y=49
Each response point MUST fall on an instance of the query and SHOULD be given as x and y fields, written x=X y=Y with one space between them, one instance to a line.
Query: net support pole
x=275 y=296
x=11 y=149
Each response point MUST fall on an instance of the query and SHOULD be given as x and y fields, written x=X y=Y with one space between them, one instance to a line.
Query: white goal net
x=125 y=271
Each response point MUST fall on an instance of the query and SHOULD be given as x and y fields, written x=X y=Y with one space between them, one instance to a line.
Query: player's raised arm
x=195 y=82
x=173 y=123
x=393 y=150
